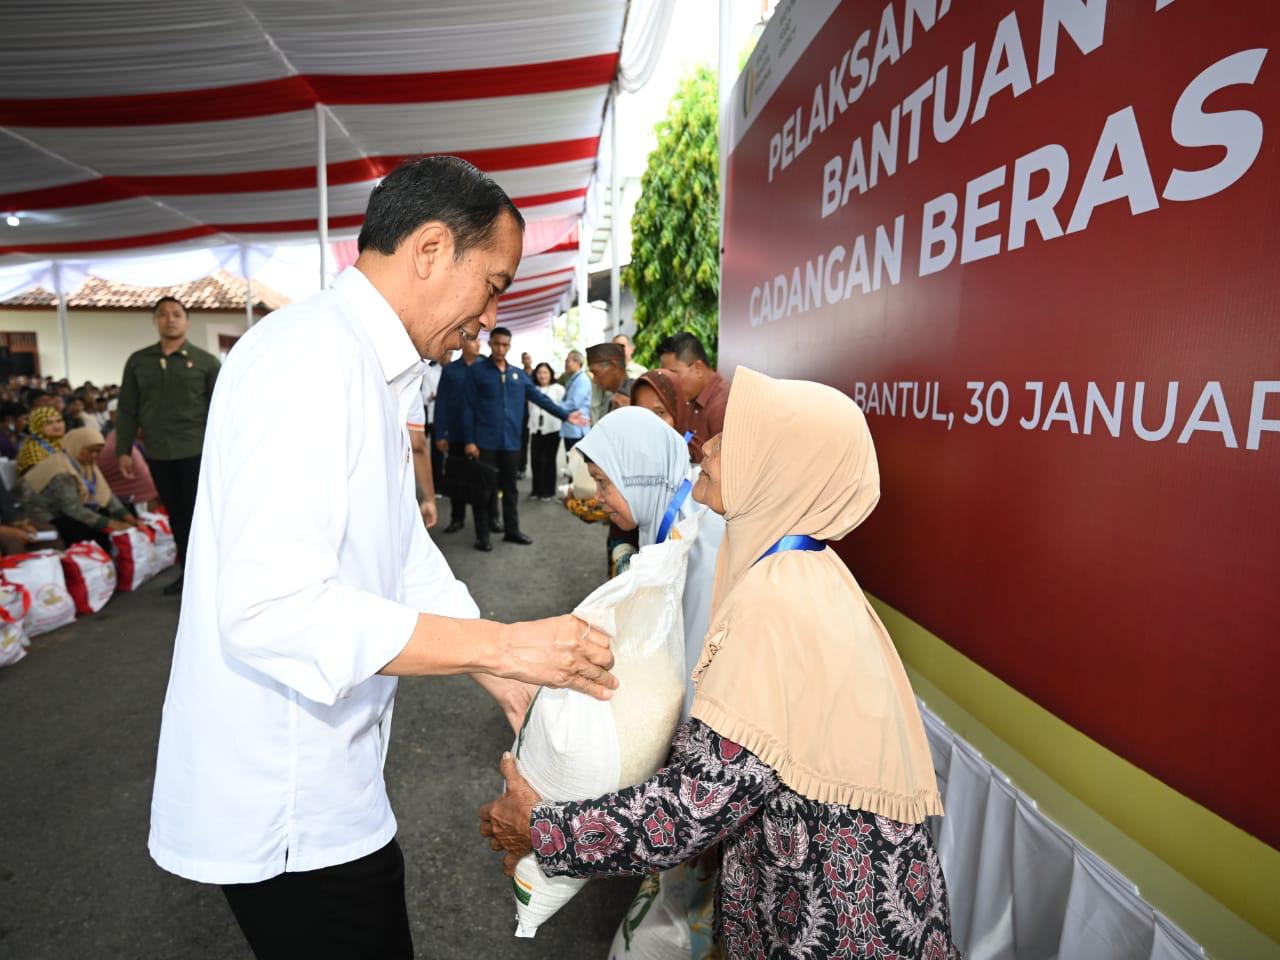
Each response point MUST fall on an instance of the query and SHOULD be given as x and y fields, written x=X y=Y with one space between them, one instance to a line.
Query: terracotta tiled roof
x=219 y=291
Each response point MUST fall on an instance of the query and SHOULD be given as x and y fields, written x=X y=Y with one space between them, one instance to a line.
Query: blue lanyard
x=682 y=494
x=40 y=440
x=794 y=541
x=91 y=481
x=688 y=435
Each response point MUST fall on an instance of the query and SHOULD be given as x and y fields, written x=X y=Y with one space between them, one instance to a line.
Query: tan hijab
x=797 y=667
x=68 y=461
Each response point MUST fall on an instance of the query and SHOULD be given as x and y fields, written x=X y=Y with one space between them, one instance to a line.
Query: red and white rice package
x=166 y=548
x=15 y=601
x=90 y=575
x=136 y=562
x=41 y=573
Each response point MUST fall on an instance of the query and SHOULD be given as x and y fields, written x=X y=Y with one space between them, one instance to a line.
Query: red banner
x=1037 y=242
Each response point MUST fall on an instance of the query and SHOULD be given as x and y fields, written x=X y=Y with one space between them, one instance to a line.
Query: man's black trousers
x=457 y=482
x=507 y=463
x=351 y=911
x=544 y=451
x=176 y=483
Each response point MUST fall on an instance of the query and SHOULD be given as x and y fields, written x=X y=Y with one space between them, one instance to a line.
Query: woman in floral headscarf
x=47 y=428
x=805 y=755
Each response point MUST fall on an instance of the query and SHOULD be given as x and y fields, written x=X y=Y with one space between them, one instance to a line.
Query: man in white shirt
x=312 y=584
x=420 y=453
x=430 y=387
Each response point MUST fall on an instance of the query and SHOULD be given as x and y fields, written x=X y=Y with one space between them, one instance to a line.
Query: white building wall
x=101 y=340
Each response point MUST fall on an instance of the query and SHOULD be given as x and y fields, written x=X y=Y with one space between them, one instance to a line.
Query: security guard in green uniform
x=165 y=391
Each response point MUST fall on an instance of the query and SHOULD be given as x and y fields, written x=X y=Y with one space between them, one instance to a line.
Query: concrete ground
x=79 y=721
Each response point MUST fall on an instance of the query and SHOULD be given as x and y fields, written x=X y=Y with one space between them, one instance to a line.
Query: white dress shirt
x=541 y=422
x=430 y=386
x=307 y=567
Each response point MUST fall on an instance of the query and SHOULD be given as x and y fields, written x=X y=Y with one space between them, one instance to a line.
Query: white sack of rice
x=574 y=747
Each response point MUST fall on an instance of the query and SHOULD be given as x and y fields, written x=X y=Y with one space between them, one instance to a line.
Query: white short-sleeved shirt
x=306 y=571
x=416 y=418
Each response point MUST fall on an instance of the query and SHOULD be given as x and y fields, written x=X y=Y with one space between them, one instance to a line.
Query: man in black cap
x=611 y=387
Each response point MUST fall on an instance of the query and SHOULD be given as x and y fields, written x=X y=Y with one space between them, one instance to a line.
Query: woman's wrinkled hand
x=505 y=822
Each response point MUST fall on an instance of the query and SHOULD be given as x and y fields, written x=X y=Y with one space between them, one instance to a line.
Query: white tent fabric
x=138 y=127
x=1023 y=889
x=647 y=25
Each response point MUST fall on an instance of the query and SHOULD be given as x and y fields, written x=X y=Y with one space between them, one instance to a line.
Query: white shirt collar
x=396 y=353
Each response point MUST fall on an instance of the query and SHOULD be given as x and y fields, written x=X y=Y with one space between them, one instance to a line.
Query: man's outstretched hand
x=557 y=652
x=513 y=696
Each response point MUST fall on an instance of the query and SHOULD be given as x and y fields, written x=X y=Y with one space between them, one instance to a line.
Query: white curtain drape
x=646 y=33
x=1020 y=887
x=158 y=270
x=20 y=277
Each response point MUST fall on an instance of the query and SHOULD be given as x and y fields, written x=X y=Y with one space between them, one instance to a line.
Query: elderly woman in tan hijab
x=805 y=756
x=68 y=489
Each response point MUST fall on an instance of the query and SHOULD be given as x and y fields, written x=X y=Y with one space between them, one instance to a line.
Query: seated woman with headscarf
x=69 y=491
x=46 y=428
x=805 y=756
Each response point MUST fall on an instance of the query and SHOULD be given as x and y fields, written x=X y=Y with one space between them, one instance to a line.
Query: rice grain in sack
x=574 y=747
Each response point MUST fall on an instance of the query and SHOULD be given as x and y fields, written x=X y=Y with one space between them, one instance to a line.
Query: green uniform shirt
x=168 y=397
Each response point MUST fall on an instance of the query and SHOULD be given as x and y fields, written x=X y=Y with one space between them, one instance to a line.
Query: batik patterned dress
x=798 y=878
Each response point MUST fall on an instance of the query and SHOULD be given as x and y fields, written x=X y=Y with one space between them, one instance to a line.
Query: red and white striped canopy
x=137 y=126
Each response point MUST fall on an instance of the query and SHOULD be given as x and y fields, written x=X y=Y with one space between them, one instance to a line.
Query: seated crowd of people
x=66 y=480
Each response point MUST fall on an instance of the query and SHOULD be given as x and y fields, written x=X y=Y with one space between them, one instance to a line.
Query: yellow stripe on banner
x=1215 y=881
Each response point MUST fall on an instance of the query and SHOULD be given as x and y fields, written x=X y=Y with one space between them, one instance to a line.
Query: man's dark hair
x=499 y=332
x=686 y=347
x=164 y=300
x=446 y=189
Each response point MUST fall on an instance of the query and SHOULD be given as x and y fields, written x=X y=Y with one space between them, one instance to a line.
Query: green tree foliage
x=675 y=232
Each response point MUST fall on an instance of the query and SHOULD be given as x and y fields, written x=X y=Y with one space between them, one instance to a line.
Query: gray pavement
x=79 y=720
